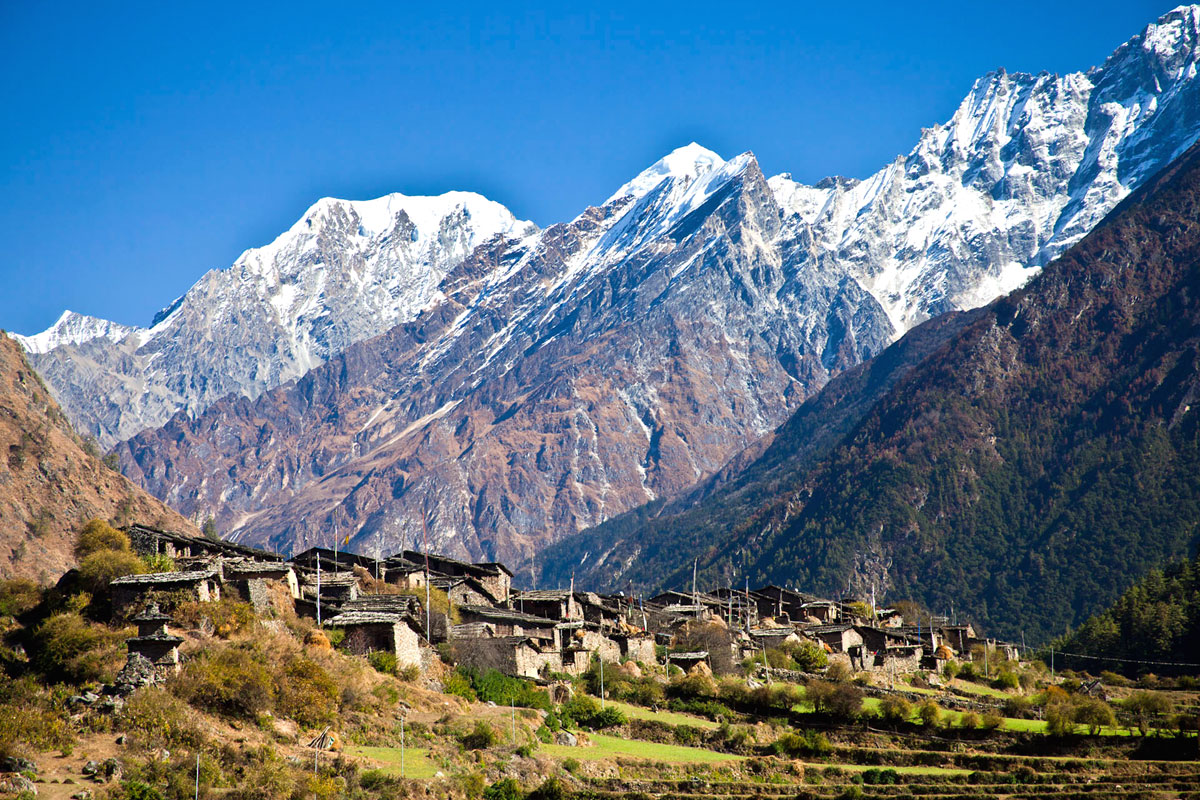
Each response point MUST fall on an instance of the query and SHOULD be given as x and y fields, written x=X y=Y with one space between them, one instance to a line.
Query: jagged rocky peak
x=682 y=165
x=73 y=329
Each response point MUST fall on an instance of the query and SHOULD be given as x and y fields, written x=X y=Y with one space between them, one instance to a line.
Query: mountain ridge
x=1028 y=467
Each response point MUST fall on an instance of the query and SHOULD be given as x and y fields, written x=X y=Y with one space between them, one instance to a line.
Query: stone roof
x=349 y=618
x=154 y=578
x=542 y=594
x=166 y=638
x=205 y=542
x=505 y=615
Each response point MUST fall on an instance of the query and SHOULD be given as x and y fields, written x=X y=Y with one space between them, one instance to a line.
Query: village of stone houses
x=172 y=666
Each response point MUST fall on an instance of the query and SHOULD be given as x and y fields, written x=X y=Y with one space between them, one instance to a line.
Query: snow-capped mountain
x=1027 y=165
x=566 y=377
x=541 y=381
x=346 y=271
x=73 y=329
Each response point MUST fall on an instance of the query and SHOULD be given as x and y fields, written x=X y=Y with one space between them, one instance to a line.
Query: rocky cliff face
x=546 y=381
x=51 y=481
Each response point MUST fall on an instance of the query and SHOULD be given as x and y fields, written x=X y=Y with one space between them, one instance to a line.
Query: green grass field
x=604 y=746
x=416 y=760
x=668 y=717
x=970 y=687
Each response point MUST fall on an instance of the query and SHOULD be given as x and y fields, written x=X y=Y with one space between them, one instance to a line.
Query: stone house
x=131 y=590
x=371 y=631
x=254 y=581
x=840 y=638
x=556 y=604
x=495 y=578
x=507 y=623
x=637 y=647
x=778 y=602
x=520 y=656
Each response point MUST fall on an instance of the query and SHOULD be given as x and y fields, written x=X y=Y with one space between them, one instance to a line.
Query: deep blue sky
x=143 y=145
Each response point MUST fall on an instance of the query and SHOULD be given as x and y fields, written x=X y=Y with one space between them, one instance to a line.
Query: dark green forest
x=1157 y=620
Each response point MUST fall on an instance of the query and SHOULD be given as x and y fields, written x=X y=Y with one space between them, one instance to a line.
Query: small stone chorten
x=154 y=642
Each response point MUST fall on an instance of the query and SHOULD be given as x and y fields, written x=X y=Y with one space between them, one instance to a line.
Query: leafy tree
x=1060 y=718
x=895 y=709
x=1094 y=713
x=97 y=535
x=1147 y=709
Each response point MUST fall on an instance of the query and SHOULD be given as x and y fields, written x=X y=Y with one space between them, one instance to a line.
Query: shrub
x=382 y=661
x=160 y=720
x=991 y=720
x=1060 y=720
x=1147 y=709
x=880 y=777
x=950 y=670
x=817 y=693
x=306 y=693
x=1113 y=679
x=551 y=789
x=1017 y=707
x=1094 y=713
x=929 y=713
x=695 y=684
x=895 y=709
x=1007 y=680
x=18 y=596
x=846 y=702
x=809 y=656
x=481 y=737
x=459 y=685
x=68 y=648
x=228 y=615
x=97 y=570
x=136 y=790
x=495 y=687
x=231 y=681
x=586 y=711
x=503 y=789
x=802 y=743
x=837 y=672
x=969 y=720
x=96 y=536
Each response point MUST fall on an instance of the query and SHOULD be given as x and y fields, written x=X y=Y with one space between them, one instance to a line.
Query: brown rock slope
x=49 y=482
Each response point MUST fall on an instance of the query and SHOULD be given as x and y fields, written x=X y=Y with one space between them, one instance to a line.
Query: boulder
x=17 y=764
x=14 y=783
x=566 y=738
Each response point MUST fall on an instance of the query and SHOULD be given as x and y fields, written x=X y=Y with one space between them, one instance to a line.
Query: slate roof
x=154 y=578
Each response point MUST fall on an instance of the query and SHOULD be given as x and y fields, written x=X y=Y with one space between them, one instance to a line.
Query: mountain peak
x=73 y=328
x=683 y=163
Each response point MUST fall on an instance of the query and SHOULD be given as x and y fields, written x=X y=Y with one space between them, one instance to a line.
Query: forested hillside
x=1029 y=470
x=1155 y=625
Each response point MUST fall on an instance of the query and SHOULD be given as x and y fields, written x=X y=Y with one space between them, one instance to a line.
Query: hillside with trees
x=1153 y=628
x=1030 y=469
